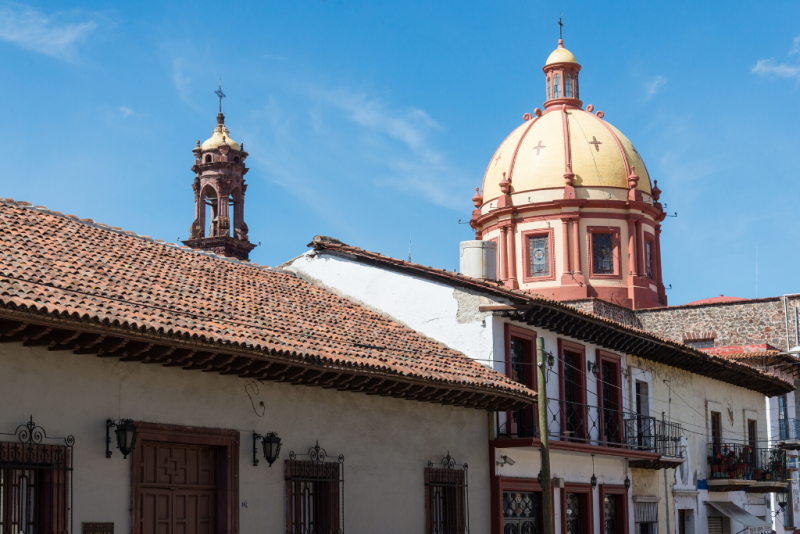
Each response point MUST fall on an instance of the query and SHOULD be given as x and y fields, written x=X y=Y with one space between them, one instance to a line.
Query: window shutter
x=714 y=525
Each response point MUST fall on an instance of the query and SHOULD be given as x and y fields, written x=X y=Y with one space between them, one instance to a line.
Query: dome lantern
x=561 y=76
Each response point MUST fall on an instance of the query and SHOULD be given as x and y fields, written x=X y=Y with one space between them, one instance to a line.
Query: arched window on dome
x=577 y=91
x=556 y=86
x=548 y=89
x=208 y=158
x=568 y=86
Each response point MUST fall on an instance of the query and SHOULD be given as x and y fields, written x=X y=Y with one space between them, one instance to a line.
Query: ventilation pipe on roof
x=479 y=259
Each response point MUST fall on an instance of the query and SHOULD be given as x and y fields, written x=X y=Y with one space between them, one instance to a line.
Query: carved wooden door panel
x=178 y=489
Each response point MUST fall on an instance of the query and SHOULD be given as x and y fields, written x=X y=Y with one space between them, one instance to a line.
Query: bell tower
x=219 y=191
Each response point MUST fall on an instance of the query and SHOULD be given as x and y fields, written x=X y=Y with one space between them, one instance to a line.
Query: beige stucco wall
x=693 y=398
x=386 y=442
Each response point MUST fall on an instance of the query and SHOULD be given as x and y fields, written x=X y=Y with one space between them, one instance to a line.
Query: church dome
x=221 y=136
x=538 y=153
x=561 y=55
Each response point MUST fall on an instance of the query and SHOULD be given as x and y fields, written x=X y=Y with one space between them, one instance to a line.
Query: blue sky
x=371 y=121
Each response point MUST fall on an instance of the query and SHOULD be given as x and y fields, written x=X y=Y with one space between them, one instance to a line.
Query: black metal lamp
x=627 y=483
x=270 y=446
x=782 y=498
x=593 y=480
x=551 y=360
x=592 y=368
x=126 y=433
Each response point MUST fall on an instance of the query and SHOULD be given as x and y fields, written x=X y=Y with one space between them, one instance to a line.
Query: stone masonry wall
x=750 y=322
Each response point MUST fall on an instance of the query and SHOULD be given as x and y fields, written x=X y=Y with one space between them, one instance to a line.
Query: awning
x=740 y=515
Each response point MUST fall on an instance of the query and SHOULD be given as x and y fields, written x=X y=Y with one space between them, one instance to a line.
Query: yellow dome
x=221 y=136
x=561 y=55
x=535 y=157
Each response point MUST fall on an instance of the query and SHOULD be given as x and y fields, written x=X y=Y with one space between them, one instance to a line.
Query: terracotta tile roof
x=565 y=319
x=57 y=266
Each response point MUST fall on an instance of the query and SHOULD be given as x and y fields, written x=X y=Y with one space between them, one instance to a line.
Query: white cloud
x=770 y=68
x=651 y=87
x=126 y=111
x=795 y=46
x=35 y=31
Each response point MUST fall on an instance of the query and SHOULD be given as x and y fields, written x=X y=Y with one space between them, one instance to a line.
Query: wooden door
x=178 y=489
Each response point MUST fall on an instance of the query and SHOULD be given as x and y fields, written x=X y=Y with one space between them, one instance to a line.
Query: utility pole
x=547 y=488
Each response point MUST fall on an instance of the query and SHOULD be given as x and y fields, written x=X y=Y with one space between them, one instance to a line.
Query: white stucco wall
x=386 y=442
x=436 y=310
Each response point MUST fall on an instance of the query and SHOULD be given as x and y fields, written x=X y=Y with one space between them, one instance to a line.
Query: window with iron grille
x=701 y=343
x=522 y=512
x=539 y=250
x=35 y=482
x=602 y=253
x=447 y=497
x=314 y=490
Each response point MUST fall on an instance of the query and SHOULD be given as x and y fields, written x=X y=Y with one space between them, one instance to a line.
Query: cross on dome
x=220 y=94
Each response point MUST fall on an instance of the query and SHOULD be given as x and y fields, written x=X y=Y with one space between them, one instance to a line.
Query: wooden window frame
x=526 y=255
x=587 y=505
x=752 y=437
x=616 y=360
x=227 y=444
x=718 y=445
x=622 y=505
x=529 y=338
x=517 y=484
x=580 y=351
x=615 y=254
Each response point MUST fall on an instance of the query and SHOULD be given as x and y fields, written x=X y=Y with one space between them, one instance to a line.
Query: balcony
x=788 y=436
x=648 y=443
x=651 y=435
x=736 y=466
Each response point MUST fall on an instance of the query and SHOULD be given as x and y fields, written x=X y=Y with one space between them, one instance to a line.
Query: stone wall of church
x=751 y=322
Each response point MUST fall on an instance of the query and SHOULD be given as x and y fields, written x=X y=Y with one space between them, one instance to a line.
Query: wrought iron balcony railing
x=584 y=423
x=737 y=461
x=651 y=435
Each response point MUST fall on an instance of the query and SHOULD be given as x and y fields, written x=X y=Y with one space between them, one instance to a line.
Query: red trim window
x=520 y=505
x=609 y=398
x=572 y=389
x=650 y=255
x=538 y=259
x=604 y=252
x=521 y=367
x=613 y=509
x=577 y=516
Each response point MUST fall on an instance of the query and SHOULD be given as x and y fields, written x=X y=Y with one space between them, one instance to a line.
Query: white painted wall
x=386 y=442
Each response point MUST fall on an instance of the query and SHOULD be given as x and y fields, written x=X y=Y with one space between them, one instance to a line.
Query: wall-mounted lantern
x=782 y=498
x=126 y=433
x=270 y=445
x=593 y=480
x=592 y=368
x=627 y=483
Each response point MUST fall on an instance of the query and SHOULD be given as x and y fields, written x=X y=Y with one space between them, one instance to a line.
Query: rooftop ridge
x=129 y=233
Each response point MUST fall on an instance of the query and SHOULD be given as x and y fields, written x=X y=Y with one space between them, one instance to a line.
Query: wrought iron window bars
x=36 y=478
x=447 y=496
x=315 y=492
